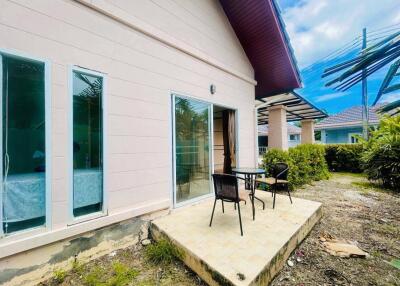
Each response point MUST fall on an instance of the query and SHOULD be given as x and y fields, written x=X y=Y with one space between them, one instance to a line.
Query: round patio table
x=250 y=175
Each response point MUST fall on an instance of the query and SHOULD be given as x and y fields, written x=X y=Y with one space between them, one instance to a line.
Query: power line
x=340 y=50
x=383 y=29
x=382 y=37
x=350 y=47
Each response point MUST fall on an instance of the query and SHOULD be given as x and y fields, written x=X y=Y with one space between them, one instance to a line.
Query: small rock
x=290 y=263
x=146 y=242
x=112 y=254
x=241 y=276
x=298 y=259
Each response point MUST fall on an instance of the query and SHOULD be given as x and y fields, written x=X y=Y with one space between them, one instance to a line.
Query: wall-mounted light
x=213 y=89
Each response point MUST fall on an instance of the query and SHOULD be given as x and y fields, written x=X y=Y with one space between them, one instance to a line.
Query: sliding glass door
x=87 y=145
x=192 y=149
x=23 y=144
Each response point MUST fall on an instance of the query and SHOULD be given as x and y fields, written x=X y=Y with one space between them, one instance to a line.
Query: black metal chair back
x=280 y=171
x=226 y=187
x=227 y=190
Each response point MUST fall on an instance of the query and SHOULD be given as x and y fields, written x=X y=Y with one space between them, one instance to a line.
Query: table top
x=248 y=170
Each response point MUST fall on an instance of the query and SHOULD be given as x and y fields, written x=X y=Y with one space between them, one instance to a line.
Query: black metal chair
x=278 y=179
x=227 y=190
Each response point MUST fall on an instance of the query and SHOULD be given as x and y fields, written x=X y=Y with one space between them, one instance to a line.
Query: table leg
x=247 y=180
x=254 y=192
x=252 y=196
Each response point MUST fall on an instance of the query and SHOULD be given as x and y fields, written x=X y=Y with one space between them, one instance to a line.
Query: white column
x=307 y=131
x=277 y=128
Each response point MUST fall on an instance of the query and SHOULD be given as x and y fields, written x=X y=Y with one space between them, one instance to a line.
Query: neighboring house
x=293 y=131
x=116 y=109
x=346 y=126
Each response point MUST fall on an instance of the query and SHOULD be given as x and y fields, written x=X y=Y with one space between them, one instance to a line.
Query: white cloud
x=330 y=96
x=318 y=27
x=389 y=98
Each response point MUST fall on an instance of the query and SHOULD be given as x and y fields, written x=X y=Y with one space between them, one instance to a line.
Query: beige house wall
x=194 y=47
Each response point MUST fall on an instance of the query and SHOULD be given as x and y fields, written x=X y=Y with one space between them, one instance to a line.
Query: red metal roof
x=260 y=30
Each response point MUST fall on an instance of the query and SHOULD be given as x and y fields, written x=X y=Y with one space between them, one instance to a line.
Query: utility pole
x=365 y=115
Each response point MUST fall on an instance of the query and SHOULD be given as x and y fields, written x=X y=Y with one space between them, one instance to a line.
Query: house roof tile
x=351 y=116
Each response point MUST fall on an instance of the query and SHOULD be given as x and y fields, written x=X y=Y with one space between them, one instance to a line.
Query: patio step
x=220 y=256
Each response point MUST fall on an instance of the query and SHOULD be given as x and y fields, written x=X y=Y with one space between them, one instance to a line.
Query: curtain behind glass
x=23 y=158
x=228 y=133
x=192 y=135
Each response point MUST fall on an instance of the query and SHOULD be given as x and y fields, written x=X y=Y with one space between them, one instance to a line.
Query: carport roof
x=297 y=107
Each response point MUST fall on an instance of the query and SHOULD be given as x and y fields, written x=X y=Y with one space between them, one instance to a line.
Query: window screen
x=23 y=144
x=87 y=143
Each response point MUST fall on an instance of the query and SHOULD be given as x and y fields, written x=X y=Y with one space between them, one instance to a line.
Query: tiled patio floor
x=220 y=256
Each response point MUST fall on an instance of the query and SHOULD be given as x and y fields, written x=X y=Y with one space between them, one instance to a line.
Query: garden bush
x=306 y=163
x=381 y=157
x=344 y=157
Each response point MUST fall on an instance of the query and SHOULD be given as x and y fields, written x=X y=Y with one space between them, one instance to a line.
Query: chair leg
x=290 y=198
x=234 y=205
x=274 y=195
x=254 y=209
x=240 y=220
x=263 y=204
x=223 y=210
x=212 y=214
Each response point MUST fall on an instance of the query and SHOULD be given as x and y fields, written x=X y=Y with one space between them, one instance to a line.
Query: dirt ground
x=353 y=210
x=125 y=267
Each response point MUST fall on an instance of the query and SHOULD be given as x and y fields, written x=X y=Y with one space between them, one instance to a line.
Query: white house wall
x=141 y=72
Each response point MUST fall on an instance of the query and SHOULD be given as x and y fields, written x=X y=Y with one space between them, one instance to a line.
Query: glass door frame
x=104 y=210
x=210 y=155
x=174 y=95
x=48 y=116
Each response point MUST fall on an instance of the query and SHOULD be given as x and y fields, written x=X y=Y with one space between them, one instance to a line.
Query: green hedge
x=306 y=163
x=382 y=153
x=344 y=157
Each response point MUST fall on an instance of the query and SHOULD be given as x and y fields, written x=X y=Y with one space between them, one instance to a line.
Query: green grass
x=121 y=275
x=77 y=266
x=366 y=187
x=163 y=252
x=59 y=275
x=356 y=175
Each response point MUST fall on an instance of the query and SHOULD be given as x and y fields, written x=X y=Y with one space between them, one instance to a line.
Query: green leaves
x=344 y=157
x=382 y=153
x=395 y=263
x=306 y=163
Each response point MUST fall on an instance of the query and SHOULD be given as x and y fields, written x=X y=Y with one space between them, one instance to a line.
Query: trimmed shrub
x=344 y=157
x=306 y=163
x=382 y=153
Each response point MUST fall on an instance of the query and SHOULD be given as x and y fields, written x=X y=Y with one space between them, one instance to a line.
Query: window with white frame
x=23 y=145
x=354 y=137
x=87 y=143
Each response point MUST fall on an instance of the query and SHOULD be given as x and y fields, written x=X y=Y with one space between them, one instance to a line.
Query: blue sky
x=319 y=27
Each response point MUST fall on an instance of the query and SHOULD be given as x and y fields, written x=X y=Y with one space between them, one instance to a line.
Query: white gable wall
x=141 y=73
